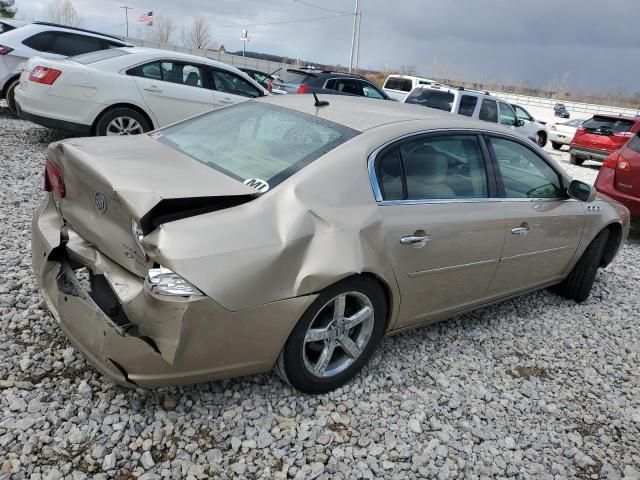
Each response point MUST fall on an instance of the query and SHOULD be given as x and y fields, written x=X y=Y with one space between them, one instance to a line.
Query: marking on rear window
x=260 y=185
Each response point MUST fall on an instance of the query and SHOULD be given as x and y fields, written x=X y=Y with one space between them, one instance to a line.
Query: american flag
x=147 y=18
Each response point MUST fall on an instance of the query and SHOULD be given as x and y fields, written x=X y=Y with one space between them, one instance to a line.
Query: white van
x=399 y=86
x=470 y=103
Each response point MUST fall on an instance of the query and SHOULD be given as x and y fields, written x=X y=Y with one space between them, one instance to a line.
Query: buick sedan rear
x=294 y=234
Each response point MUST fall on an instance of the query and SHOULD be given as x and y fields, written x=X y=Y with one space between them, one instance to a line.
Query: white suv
x=470 y=103
x=399 y=86
x=45 y=40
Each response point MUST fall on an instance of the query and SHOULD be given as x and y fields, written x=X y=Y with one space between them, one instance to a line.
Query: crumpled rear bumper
x=164 y=340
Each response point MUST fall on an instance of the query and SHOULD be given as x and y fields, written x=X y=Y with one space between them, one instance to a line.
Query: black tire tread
x=10 y=96
x=556 y=145
x=577 y=286
x=573 y=160
x=106 y=117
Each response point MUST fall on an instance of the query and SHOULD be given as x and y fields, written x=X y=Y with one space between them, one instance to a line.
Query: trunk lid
x=628 y=180
x=111 y=182
x=604 y=133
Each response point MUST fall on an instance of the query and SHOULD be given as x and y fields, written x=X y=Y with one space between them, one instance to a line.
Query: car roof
x=360 y=113
x=36 y=27
x=316 y=72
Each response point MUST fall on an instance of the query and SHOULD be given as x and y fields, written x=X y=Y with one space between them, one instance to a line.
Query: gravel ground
x=535 y=387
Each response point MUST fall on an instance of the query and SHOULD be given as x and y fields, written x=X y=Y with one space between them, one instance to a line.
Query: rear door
x=628 y=175
x=174 y=90
x=543 y=226
x=488 y=111
x=443 y=226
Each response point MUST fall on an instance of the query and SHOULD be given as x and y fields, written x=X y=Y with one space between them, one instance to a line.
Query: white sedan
x=125 y=91
x=562 y=133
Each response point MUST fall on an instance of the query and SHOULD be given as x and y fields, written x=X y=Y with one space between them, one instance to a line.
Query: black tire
x=541 y=139
x=291 y=366
x=573 y=160
x=577 y=286
x=10 y=96
x=556 y=145
x=109 y=116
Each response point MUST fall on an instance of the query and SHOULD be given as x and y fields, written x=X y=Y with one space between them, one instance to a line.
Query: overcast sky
x=596 y=42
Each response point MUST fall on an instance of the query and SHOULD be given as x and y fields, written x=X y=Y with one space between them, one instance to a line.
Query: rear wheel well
x=613 y=243
x=387 y=294
x=121 y=105
x=3 y=93
x=542 y=133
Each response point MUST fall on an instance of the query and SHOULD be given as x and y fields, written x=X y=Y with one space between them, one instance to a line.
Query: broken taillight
x=303 y=88
x=53 y=180
x=44 y=75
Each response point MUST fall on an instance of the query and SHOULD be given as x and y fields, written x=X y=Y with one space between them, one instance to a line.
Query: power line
x=321 y=8
x=298 y=20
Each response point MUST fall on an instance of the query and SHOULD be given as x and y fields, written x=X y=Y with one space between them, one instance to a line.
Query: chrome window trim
x=377 y=193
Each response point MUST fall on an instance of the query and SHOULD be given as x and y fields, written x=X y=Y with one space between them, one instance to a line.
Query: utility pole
x=353 y=39
x=358 y=43
x=126 y=16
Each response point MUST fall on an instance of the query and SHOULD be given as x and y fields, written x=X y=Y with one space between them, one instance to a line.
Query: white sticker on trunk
x=259 y=185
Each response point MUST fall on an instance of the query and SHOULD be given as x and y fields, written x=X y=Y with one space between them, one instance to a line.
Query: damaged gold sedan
x=283 y=232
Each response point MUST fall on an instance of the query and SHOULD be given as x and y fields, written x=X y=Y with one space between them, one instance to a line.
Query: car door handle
x=153 y=89
x=522 y=231
x=413 y=239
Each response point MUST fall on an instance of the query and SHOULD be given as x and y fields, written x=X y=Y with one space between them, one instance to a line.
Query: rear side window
x=431 y=98
x=489 y=111
x=634 y=143
x=63 y=43
x=395 y=83
x=434 y=167
x=5 y=28
x=467 y=105
x=610 y=124
x=346 y=85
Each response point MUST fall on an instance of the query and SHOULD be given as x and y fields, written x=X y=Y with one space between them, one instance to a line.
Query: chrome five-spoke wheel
x=335 y=337
x=338 y=334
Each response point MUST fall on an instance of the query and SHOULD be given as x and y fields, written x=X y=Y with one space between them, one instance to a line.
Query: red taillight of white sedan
x=44 y=75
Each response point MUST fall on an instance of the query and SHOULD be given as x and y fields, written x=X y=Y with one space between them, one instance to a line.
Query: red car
x=619 y=177
x=601 y=135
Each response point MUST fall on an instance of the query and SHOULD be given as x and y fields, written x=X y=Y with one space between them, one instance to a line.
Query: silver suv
x=470 y=103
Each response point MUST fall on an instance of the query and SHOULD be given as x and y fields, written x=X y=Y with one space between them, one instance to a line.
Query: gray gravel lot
x=535 y=387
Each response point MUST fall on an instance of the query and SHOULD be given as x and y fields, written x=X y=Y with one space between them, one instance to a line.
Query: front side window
x=489 y=111
x=371 y=91
x=507 y=115
x=228 y=82
x=524 y=173
x=433 y=167
x=255 y=143
x=467 y=105
x=522 y=114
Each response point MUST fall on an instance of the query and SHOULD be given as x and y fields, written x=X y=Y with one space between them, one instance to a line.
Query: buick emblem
x=101 y=202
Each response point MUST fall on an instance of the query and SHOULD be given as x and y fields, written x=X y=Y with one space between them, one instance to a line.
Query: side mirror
x=519 y=123
x=581 y=191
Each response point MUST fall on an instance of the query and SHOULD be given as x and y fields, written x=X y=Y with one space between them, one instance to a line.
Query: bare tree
x=63 y=12
x=199 y=36
x=6 y=8
x=162 y=30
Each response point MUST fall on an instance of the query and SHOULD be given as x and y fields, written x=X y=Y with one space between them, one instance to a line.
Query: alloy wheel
x=338 y=334
x=124 y=126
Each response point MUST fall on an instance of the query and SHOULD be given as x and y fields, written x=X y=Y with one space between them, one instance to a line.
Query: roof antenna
x=320 y=103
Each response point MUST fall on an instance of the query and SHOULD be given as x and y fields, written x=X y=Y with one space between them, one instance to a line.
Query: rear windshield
x=258 y=144
x=608 y=124
x=396 y=83
x=100 y=55
x=634 y=143
x=432 y=98
x=292 y=77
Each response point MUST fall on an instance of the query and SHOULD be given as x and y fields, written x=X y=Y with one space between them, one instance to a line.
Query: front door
x=444 y=228
x=174 y=90
x=543 y=226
